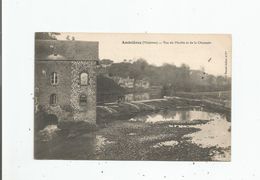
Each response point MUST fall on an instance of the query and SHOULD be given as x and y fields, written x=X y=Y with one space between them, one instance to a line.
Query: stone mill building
x=65 y=81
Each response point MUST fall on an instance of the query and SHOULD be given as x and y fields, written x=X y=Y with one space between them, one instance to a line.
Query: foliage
x=106 y=61
x=46 y=35
x=108 y=90
x=170 y=77
x=107 y=85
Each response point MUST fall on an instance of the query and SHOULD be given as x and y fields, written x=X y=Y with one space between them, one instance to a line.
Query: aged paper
x=132 y=96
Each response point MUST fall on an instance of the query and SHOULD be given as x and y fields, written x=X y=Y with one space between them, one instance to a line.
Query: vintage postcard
x=119 y=96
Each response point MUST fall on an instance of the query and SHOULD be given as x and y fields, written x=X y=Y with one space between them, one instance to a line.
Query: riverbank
x=172 y=128
x=221 y=97
x=121 y=140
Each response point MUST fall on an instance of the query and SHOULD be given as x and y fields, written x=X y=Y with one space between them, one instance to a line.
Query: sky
x=212 y=52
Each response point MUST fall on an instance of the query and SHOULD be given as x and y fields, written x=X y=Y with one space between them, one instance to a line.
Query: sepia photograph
x=130 y=90
x=127 y=96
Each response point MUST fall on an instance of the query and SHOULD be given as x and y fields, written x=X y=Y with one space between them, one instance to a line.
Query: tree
x=46 y=35
x=106 y=61
x=184 y=77
x=138 y=69
x=170 y=77
x=68 y=37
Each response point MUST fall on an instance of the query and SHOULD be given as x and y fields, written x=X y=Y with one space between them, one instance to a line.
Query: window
x=83 y=79
x=53 y=99
x=54 y=78
x=82 y=100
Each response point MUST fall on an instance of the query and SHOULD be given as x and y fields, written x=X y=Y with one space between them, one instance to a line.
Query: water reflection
x=170 y=143
x=66 y=146
x=56 y=144
x=100 y=142
x=214 y=134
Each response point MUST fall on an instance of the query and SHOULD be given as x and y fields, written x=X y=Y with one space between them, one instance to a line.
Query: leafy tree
x=170 y=77
x=46 y=35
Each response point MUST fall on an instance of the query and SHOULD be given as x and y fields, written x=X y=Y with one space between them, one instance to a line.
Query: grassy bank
x=221 y=97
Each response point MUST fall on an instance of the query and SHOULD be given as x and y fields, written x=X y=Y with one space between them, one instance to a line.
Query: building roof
x=65 y=50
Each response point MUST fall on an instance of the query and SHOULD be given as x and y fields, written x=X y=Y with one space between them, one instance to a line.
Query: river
x=181 y=134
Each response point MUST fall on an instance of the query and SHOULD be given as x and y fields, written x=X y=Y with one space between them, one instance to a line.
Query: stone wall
x=88 y=112
x=44 y=88
x=68 y=90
